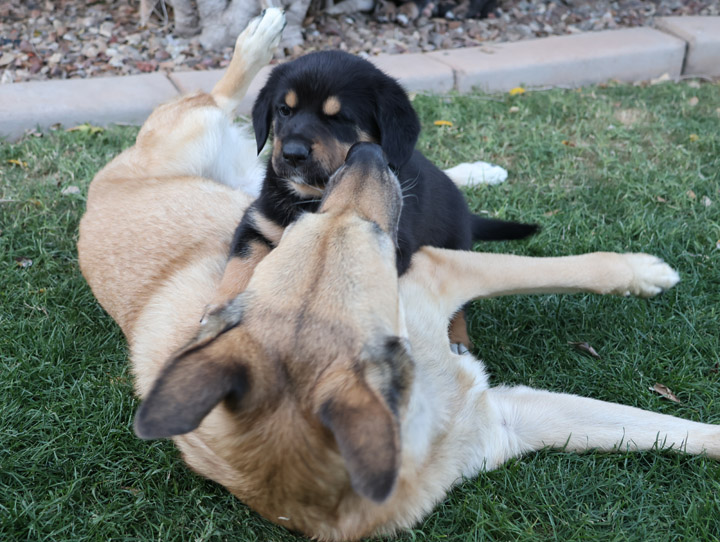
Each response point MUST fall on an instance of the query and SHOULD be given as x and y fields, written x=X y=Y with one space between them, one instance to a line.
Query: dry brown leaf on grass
x=663 y=390
x=33 y=307
x=664 y=78
x=585 y=347
x=70 y=190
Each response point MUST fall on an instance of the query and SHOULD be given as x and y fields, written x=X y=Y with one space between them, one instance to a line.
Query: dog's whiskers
x=409 y=184
x=303 y=201
x=404 y=196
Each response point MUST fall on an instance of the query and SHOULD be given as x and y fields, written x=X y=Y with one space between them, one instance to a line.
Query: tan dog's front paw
x=220 y=317
x=651 y=275
x=259 y=40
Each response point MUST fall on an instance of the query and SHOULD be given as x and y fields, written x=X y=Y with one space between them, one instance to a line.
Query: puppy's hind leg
x=253 y=50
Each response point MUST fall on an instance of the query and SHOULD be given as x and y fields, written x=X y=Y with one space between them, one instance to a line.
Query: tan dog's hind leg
x=253 y=50
x=454 y=277
x=521 y=419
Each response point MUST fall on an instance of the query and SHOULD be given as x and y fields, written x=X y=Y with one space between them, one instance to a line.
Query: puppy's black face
x=319 y=106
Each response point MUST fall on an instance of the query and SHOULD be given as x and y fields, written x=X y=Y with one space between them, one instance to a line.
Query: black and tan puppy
x=318 y=106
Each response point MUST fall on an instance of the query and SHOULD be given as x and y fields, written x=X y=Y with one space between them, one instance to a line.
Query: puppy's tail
x=490 y=229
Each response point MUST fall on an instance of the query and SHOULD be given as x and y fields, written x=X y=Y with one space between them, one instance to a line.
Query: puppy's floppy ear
x=397 y=121
x=262 y=112
x=189 y=387
x=367 y=434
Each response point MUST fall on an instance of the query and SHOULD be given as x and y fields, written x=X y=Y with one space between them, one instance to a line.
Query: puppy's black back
x=435 y=213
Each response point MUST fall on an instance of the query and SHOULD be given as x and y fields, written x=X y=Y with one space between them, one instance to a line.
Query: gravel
x=61 y=39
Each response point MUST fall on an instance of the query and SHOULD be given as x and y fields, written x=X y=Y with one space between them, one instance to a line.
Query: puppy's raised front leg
x=524 y=419
x=454 y=277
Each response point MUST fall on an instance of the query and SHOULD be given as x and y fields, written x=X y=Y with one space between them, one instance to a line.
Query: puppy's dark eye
x=284 y=111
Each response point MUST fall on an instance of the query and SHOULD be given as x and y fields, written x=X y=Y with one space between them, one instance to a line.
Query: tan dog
x=326 y=396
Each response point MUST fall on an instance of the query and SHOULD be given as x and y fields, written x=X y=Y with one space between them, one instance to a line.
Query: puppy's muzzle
x=296 y=152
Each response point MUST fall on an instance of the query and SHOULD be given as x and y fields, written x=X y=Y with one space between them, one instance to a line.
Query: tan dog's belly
x=136 y=234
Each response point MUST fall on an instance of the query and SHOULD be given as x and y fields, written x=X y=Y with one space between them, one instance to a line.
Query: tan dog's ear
x=367 y=435
x=189 y=387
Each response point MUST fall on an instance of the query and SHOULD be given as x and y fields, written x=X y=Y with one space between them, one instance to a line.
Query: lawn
x=614 y=168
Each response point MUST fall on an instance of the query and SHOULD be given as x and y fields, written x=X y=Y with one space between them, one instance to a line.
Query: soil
x=60 y=39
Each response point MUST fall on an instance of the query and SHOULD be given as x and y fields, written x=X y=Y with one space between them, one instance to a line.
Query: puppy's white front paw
x=470 y=174
x=651 y=275
x=258 y=41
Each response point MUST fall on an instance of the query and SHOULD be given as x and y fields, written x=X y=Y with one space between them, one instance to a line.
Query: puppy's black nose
x=295 y=152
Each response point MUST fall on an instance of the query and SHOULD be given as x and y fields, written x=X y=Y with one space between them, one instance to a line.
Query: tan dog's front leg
x=455 y=277
x=253 y=49
x=237 y=275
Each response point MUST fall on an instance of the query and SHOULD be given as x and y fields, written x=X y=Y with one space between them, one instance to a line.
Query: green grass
x=629 y=177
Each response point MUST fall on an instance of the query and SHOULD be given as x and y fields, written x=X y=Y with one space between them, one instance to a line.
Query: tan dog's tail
x=249 y=56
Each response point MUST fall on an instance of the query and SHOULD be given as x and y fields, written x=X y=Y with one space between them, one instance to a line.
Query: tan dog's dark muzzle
x=366 y=184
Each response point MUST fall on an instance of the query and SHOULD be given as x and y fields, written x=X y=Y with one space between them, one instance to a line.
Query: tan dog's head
x=307 y=365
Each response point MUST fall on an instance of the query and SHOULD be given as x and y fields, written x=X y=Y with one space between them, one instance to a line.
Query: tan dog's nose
x=368 y=154
x=366 y=185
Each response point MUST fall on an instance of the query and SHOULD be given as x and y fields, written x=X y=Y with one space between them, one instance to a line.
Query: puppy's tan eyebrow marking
x=291 y=99
x=331 y=106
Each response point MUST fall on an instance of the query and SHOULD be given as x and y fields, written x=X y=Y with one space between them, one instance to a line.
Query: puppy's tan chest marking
x=304 y=191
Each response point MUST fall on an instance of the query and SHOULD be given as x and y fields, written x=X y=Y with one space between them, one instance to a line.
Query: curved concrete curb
x=686 y=45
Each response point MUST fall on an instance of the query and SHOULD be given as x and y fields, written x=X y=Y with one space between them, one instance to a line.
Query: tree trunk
x=186 y=18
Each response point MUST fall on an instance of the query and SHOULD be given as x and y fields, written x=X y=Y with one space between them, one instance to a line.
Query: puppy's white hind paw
x=470 y=174
x=258 y=41
x=651 y=275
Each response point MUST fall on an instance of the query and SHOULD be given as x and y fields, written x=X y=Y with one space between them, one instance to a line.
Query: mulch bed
x=60 y=39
